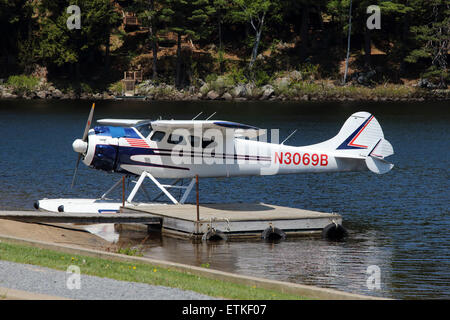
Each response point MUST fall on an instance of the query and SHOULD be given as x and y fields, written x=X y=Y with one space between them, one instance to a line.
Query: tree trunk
x=77 y=71
x=178 y=67
x=404 y=39
x=220 y=31
x=258 y=30
x=348 y=42
x=154 y=39
x=107 y=50
x=367 y=49
x=304 y=34
x=155 y=60
x=255 y=49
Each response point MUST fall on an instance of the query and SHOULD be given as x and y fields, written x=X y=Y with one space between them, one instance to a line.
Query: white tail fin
x=361 y=137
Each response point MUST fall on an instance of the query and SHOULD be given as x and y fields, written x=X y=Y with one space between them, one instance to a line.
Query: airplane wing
x=240 y=129
x=207 y=124
x=120 y=122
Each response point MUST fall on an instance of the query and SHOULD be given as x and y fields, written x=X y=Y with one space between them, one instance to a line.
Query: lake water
x=398 y=222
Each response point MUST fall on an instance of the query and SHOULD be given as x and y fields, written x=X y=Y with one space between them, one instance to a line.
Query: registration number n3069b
x=305 y=159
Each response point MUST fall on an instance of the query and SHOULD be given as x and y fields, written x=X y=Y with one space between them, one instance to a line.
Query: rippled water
x=398 y=221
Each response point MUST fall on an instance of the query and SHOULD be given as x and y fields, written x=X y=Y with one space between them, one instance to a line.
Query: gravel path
x=53 y=282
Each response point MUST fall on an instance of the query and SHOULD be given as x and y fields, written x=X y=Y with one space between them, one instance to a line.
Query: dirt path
x=55 y=233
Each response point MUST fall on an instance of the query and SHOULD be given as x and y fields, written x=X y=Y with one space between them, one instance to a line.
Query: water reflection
x=340 y=265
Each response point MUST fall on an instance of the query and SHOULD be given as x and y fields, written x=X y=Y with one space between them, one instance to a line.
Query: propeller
x=80 y=145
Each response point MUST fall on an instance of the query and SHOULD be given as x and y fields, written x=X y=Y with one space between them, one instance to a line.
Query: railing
x=130 y=19
x=133 y=75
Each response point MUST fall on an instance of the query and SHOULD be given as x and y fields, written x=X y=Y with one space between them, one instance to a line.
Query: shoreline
x=218 y=91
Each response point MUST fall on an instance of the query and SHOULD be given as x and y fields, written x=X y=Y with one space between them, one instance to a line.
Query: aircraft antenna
x=211 y=116
x=197 y=115
x=289 y=136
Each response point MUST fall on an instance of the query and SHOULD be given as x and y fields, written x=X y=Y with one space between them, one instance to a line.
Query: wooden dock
x=66 y=217
x=235 y=220
x=210 y=221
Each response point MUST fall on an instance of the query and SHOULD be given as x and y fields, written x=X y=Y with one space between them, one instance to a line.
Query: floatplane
x=192 y=149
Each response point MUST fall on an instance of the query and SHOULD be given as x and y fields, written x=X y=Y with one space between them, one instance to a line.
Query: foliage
x=86 y=88
x=59 y=45
x=238 y=75
x=261 y=78
x=434 y=41
x=22 y=83
x=309 y=71
x=414 y=38
x=116 y=87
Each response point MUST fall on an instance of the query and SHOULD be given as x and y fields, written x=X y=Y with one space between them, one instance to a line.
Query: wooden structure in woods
x=129 y=81
x=130 y=19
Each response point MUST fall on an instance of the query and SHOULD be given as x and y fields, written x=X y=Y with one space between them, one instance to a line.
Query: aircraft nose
x=79 y=146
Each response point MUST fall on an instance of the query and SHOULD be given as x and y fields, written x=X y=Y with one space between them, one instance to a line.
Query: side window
x=176 y=139
x=158 y=136
x=206 y=143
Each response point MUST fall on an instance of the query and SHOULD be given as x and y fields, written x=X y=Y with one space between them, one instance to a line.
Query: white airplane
x=180 y=149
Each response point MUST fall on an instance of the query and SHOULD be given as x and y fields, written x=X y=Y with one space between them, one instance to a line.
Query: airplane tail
x=361 y=137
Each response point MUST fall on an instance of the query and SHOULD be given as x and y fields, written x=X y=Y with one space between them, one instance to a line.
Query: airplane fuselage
x=126 y=150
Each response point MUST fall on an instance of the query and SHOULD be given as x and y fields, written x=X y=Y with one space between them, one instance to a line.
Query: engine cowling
x=105 y=157
x=103 y=148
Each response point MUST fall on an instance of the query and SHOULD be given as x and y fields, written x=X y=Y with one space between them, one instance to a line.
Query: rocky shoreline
x=282 y=89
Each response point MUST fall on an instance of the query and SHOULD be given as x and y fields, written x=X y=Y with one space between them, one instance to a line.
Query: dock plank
x=237 y=220
x=66 y=217
x=230 y=211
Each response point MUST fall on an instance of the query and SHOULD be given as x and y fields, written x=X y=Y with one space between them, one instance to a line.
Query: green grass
x=137 y=272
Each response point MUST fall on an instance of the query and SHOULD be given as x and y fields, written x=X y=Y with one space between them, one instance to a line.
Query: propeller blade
x=85 y=135
x=88 y=124
x=76 y=169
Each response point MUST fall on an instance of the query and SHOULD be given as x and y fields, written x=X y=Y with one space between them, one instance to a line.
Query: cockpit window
x=176 y=139
x=145 y=129
x=206 y=143
x=158 y=136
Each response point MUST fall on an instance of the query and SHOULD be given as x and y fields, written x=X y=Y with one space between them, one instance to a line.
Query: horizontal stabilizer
x=378 y=165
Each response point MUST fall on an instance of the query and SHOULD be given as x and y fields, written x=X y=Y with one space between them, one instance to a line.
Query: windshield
x=144 y=128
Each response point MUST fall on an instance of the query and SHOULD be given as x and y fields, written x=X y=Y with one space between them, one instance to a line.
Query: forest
x=199 y=46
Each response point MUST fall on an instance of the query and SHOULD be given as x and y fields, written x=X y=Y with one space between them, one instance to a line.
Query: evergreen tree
x=433 y=40
x=153 y=15
x=59 y=45
x=16 y=24
x=186 y=18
